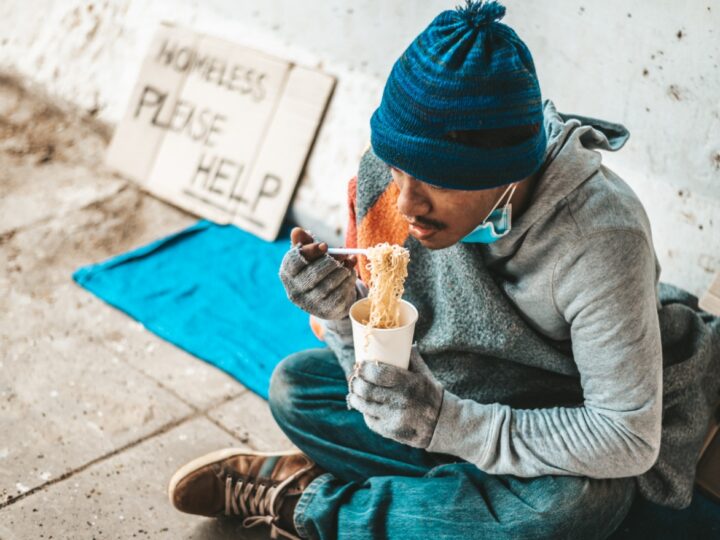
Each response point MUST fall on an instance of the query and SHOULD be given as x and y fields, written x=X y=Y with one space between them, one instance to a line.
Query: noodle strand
x=388 y=270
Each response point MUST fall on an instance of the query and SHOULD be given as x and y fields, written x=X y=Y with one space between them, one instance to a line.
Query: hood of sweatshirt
x=571 y=158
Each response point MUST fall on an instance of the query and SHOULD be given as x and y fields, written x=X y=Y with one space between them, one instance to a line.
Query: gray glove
x=324 y=287
x=396 y=403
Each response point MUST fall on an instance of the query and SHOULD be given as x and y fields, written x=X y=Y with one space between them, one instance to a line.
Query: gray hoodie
x=551 y=342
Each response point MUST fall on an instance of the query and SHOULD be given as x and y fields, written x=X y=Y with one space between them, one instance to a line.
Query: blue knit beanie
x=465 y=72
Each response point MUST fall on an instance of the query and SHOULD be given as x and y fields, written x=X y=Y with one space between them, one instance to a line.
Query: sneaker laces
x=257 y=502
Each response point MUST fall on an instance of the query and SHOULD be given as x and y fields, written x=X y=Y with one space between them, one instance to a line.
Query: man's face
x=440 y=217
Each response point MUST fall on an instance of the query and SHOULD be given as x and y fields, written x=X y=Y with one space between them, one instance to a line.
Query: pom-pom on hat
x=465 y=73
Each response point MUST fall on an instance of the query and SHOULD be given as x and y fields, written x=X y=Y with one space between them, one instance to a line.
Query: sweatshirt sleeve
x=338 y=334
x=605 y=288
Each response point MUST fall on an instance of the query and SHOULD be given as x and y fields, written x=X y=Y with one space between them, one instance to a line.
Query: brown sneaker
x=240 y=482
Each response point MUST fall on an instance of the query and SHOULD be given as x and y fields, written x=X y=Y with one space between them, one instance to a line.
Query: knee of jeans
x=289 y=378
x=282 y=388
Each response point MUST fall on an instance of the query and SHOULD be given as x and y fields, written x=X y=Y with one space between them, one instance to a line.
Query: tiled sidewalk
x=96 y=413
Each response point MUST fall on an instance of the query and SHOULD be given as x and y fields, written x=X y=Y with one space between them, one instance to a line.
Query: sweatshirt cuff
x=463 y=429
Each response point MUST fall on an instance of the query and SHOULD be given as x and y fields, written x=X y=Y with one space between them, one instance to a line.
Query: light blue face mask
x=497 y=224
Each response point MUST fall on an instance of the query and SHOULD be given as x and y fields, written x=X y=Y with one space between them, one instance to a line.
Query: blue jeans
x=377 y=488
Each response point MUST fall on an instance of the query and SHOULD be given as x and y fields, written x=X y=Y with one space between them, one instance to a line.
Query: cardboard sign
x=710 y=301
x=220 y=130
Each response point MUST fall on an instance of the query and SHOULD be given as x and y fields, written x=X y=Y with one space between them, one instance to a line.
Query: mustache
x=428 y=223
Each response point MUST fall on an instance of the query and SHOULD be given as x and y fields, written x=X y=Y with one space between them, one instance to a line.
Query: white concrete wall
x=650 y=64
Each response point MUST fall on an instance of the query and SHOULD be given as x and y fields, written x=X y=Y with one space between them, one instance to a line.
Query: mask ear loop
x=511 y=189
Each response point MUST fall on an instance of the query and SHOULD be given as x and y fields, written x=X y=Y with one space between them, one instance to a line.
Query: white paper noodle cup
x=389 y=345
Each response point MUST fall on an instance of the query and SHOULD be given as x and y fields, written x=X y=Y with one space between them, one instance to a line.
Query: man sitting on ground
x=549 y=363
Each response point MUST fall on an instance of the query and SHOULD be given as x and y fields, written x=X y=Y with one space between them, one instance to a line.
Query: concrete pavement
x=96 y=412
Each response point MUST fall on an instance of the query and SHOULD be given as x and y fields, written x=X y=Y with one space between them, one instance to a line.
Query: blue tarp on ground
x=211 y=290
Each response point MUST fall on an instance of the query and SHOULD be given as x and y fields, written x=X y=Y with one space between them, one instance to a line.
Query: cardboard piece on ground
x=220 y=130
x=710 y=301
x=138 y=135
x=283 y=153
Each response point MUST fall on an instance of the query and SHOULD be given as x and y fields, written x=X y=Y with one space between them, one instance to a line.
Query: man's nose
x=411 y=200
